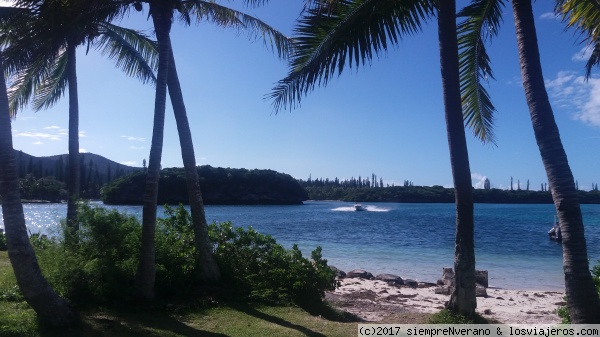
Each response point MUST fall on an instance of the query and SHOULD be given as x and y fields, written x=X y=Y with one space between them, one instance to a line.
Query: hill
x=219 y=186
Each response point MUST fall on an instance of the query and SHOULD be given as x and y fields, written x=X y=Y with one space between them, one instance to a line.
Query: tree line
x=46 y=178
x=219 y=186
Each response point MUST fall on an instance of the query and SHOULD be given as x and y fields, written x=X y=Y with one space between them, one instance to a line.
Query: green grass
x=230 y=319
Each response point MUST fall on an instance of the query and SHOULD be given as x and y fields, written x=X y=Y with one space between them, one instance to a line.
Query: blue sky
x=386 y=119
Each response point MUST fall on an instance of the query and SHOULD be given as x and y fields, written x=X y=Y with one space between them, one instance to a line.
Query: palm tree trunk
x=50 y=308
x=74 y=165
x=206 y=266
x=582 y=298
x=146 y=272
x=462 y=299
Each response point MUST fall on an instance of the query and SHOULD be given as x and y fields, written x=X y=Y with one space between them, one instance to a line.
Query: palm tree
x=583 y=300
x=49 y=42
x=50 y=308
x=162 y=12
x=583 y=15
x=333 y=33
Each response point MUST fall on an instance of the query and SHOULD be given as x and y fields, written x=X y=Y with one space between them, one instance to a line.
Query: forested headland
x=365 y=191
x=219 y=186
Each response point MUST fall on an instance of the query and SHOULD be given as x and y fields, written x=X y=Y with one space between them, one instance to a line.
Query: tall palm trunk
x=146 y=272
x=50 y=308
x=74 y=165
x=462 y=299
x=206 y=265
x=582 y=298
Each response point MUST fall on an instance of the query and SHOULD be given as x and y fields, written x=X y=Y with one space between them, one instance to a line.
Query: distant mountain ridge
x=102 y=168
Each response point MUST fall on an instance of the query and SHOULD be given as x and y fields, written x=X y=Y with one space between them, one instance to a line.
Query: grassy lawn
x=18 y=319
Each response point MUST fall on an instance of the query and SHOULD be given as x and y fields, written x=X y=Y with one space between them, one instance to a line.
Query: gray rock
x=480 y=291
x=481 y=277
x=448 y=277
x=338 y=272
x=359 y=273
x=444 y=290
x=390 y=279
x=411 y=283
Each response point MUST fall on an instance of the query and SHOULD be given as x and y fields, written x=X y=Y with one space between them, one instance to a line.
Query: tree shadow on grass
x=146 y=324
x=247 y=309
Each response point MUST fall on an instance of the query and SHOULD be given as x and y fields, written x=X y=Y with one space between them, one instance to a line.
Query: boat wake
x=367 y=208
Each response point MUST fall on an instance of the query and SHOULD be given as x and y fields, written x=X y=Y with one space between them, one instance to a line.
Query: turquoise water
x=409 y=240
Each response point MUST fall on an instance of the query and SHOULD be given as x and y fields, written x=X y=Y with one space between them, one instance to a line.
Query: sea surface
x=410 y=240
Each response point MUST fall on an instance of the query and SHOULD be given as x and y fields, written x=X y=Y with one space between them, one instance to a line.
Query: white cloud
x=574 y=94
x=37 y=143
x=583 y=55
x=137 y=147
x=550 y=16
x=479 y=180
x=53 y=127
x=39 y=135
x=129 y=163
x=82 y=150
x=135 y=139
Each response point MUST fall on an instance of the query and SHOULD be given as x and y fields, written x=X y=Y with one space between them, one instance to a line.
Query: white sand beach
x=374 y=300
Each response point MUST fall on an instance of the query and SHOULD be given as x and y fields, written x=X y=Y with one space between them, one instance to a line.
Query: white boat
x=359 y=207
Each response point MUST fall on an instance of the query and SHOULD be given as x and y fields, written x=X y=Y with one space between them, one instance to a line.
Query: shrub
x=101 y=267
x=174 y=252
x=258 y=268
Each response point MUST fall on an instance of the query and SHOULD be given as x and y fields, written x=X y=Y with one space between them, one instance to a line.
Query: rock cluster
x=390 y=279
x=445 y=284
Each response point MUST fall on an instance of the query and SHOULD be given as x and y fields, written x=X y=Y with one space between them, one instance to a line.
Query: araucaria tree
x=334 y=33
x=482 y=22
x=163 y=13
x=42 y=58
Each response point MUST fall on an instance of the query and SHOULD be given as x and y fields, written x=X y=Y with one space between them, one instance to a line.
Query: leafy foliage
x=219 y=186
x=333 y=34
x=258 y=268
x=101 y=266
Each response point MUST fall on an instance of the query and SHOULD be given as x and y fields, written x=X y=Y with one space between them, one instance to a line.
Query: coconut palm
x=482 y=21
x=43 y=59
x=584 y=15
x=331 y=34
x=50 y=308
x=162 y=13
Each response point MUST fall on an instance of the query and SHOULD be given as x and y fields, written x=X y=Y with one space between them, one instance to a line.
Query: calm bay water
x=409 y=240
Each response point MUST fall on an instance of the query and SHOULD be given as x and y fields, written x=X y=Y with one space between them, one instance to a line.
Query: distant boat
x=359 y=207
x=554 y=232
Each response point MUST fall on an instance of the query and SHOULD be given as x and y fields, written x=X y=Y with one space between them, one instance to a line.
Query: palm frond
x=134 y=52
x=482 y=20
x=348 y=32
x=27 y=82
x=230 y=18
x=54 y=84
x=584 y=16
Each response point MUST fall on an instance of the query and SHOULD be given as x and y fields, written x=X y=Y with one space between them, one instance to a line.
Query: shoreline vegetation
x=43 y=179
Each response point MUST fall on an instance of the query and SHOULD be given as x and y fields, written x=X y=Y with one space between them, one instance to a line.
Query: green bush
x=174 y=252
x=99 y=269
x=257 y=268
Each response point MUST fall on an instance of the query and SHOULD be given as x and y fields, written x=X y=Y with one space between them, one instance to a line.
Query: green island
x=219 y=186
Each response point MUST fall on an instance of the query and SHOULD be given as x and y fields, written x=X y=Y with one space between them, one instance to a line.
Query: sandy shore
x=375 y=300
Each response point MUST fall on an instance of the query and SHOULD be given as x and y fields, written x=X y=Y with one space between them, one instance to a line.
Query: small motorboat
x=359 y=207
x=554 y=232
